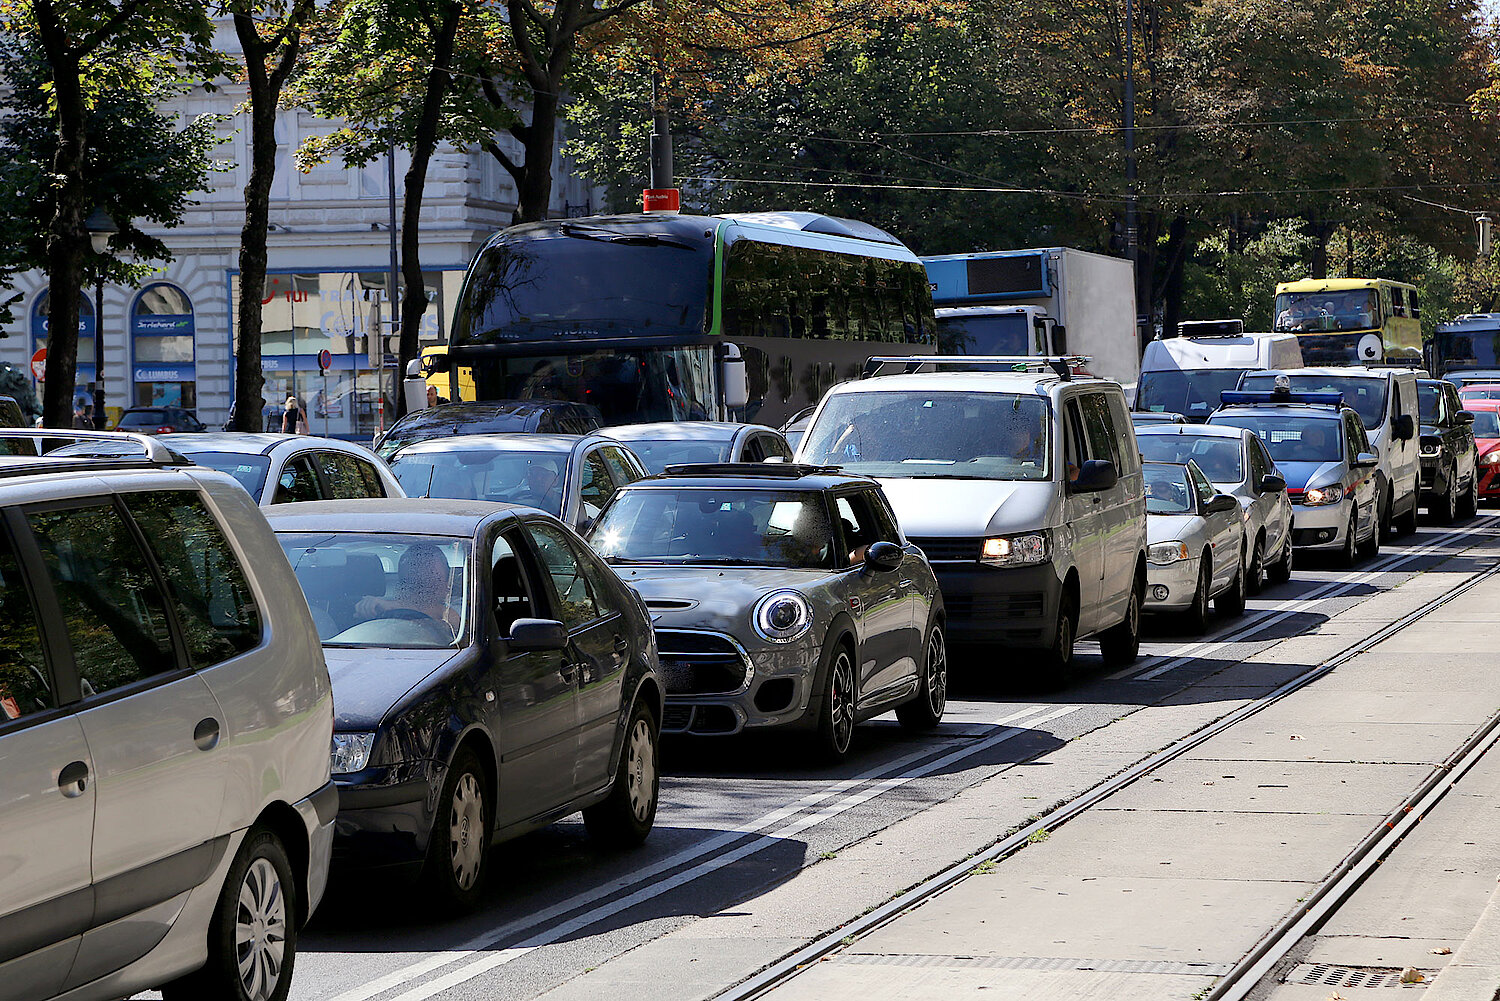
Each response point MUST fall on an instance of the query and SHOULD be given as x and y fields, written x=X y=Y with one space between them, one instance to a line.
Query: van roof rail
x=153 y=454
x=1061 y=366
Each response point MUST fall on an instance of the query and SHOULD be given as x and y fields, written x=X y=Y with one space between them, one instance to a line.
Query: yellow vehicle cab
x=439 y=375
x=1351 y=321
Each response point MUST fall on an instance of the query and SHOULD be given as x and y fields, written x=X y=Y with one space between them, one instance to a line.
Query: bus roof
x=1336 y=284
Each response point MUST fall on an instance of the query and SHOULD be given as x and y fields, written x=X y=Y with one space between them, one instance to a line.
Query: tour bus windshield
x=1219 y=458
x=934 y=435
x=627 y=385
x=1469 y=348
x=697 y=525
x=1194 y=393
x=1354 y=309
x=1365 y=394
x=1003 y=334
x=1294 y=439
x=585 y=280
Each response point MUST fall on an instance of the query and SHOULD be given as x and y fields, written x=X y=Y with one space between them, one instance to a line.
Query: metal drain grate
x=1324 y=975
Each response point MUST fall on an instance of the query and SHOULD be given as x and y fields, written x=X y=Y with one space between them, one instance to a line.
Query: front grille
x=700 y=663
x=950 y=550
x=1021 y=605
x=700 y=719
x=676 y=718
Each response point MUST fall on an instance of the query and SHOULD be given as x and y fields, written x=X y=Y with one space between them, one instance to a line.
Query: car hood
x=713 y=597
x=367 y=682
x=1167 y=527
x=1300 y=474
x=945 y=508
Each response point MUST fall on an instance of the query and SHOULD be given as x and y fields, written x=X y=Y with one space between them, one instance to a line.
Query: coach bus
x=648 y=317
x=1352 y=321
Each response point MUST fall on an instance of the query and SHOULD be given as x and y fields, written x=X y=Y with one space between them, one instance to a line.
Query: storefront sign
x=166 y=373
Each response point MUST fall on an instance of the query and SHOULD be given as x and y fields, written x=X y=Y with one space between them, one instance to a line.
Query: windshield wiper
x=641 y=239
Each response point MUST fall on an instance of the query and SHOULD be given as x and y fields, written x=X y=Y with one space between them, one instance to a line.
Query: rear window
x=143 y=418
x=249 y=471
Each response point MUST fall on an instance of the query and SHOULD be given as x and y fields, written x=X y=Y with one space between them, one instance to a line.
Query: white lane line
x=491 y=960
x=1286 y=609
x=489 y=936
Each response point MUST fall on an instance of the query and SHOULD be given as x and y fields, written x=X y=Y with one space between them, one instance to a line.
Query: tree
x=94 y=48
x=270 y=35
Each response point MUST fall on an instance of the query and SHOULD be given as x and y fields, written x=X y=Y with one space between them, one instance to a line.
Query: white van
x=1185 y=374
x=1024 y=490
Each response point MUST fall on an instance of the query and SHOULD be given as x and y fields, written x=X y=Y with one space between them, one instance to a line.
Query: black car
x=488 y=417
x=159 y=420
x=1449 y=456
x=491 y=675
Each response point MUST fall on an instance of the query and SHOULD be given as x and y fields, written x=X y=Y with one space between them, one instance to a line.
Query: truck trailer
x=1044 y=301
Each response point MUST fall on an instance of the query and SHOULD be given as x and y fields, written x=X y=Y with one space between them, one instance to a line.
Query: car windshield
x=706 y=525
x=1219 y=458
x=1167 y=489
x=534 y=479
x=1365 y=394
x=1294 y=439
x=1478 y=393
x=1486 y=423
x=657 y=454
x=444 y=422
x=249 y=471
x=143 y=418
x=405 y=592
x=997 y=334
x=934 y=435
x=1192 y=392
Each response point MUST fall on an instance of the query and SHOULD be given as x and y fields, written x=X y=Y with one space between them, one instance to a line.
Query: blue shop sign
x=162 y=325
x=165 y=373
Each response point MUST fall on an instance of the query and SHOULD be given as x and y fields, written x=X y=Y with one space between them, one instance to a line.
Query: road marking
x=873 y=786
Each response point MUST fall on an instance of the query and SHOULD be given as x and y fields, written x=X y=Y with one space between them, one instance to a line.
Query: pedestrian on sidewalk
x=294 y=418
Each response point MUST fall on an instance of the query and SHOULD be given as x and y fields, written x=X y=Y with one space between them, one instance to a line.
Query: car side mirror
x=1465 y=417
x=1405 y=428
x=883 y=557
x=537 y=634
x=1221 y=504
x=1367 y=460
x=1272 y=483
x=1096 y=474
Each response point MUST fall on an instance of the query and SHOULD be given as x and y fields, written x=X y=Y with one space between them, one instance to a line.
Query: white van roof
x=1245 y=351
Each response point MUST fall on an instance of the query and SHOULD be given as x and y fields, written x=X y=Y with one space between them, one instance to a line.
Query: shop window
x=162 y=332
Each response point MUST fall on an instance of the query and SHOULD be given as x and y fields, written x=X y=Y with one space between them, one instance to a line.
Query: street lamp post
x=101 y=227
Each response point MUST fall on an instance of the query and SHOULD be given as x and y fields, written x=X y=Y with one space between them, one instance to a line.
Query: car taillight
x=164 y=429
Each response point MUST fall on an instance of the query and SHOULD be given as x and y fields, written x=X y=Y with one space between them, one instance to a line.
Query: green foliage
x=16 y=384
x=1221 y=284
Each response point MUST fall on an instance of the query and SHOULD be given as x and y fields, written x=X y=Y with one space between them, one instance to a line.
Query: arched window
x=161 y=336
x=40 y=316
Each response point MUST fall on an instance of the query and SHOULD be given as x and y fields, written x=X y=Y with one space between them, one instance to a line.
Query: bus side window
x=1411 y=297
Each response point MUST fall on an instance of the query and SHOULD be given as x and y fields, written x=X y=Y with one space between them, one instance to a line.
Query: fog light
x=1159 y=592
x=1325 y=535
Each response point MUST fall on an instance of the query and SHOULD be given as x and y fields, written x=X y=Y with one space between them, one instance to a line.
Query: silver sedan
x=1236 y=462
x=1194 y=552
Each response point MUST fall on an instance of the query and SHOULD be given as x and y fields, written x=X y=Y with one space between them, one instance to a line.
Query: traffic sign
x=39 y=365
x=325 y=359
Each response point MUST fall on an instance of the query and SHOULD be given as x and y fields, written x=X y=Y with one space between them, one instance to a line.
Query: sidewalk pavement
x=1161 y=888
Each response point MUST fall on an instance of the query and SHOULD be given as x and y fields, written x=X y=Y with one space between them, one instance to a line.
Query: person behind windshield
x=1018 y=443
x=421 y=588
x=543 y=486
x=1312 y=446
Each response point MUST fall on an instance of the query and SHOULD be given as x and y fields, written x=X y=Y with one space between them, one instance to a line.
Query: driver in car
x=421 y=589
x=542 y=488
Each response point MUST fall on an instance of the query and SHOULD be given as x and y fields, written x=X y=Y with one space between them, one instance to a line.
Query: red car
x=1487 y=437
x=1479 y=391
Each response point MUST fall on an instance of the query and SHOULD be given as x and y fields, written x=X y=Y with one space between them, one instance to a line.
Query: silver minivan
x=1024 y=490
x=166 y=814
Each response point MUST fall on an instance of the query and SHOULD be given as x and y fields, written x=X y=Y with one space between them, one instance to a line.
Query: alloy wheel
x=260 y=930
x=937 y=672
x=466 y=831
x=841 y=696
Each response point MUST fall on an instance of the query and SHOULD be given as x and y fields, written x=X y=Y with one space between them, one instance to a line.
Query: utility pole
x=1132 y=229
x=661 y=137
x=391 y=308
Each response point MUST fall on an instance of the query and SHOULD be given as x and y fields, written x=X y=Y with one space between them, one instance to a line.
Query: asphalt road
x=742 y=818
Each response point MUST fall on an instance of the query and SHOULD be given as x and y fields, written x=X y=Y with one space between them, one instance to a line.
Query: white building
x=170 y=339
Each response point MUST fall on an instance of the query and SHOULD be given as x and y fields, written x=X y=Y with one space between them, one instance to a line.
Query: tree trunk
x=1179 y=247
x=249 y=378
x=67 y=241
x=534 y=187
x=424 y=142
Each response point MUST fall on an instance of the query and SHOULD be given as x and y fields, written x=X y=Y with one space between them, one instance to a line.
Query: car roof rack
x=775 y=470
x=154 y=454
x=1060 y=366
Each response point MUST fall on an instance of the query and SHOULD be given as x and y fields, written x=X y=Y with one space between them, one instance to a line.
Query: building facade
x=170 y=339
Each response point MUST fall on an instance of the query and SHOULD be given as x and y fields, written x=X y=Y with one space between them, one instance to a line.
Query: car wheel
x=1281 y=571
x=836 y=708
x=1446 y=510
x=1370 y=548
x=1055 y=663
x=252 y=937
x=625 y=818
x=1196 y=616
x=458 y=850
x=1468 y=503
x=1385 y=517
x=1232 y=601
x=1349 y=554
x=1121 y=644
x=925 y=711
x=1256 y=571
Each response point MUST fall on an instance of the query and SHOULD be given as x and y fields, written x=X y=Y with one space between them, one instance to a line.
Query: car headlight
x=1319 y=496
x=351 y=752
x=782 y=616
x=1164 y=553
x=1490 y=458
x=1016 y=550
x=1430 y=448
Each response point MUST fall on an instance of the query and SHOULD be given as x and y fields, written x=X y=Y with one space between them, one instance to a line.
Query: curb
x=1473 y=974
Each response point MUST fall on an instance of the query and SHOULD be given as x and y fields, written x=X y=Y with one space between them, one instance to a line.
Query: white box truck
x=1044 y=301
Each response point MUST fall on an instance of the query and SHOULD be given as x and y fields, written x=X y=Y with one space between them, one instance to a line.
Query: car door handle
x=73 y=779
x=905 y=585
x=206 y=734
x=622 y=646
x=569 y=672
